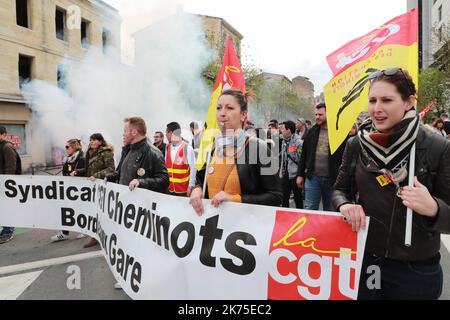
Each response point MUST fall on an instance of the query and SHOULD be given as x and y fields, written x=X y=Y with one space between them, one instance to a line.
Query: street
x=33 y=268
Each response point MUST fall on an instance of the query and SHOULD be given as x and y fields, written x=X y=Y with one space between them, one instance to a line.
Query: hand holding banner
x=158 y=248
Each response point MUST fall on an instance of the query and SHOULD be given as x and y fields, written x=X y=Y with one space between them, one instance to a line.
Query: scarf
x=231 y=146
x=390 y=151
x=72 y=158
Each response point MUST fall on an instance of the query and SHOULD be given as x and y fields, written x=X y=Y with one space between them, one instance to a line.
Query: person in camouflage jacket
x=99 y=163
x=99 y=159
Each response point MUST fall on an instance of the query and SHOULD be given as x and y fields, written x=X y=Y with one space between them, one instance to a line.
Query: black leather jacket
x=306 y=166
x=142 y=155
x=386 y=232
x=256 y=186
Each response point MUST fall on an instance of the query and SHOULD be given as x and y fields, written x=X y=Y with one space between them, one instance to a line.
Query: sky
x=290 y=37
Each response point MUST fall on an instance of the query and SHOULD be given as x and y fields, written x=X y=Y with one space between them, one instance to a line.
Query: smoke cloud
x=163 y=84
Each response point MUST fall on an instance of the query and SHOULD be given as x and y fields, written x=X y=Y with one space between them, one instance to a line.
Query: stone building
x=434 y=22
x=35 y=37
x=303 y=87
x=217 y=29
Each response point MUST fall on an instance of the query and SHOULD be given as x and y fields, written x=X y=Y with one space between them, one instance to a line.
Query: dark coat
x=138 y=156
x=78 y=163
x=99 y=163
x=307 y=162
x=162 y=148
x=9 y=159
x=386 y=232
x=256 y=186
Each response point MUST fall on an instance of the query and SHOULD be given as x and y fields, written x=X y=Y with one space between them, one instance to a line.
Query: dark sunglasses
x=389 y=73
x=67 y=147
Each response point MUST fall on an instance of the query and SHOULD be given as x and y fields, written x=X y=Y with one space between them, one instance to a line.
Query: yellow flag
x=392 y=45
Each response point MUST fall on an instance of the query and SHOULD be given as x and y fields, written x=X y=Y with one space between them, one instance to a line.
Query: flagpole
x=208 y=160
x=409 y=212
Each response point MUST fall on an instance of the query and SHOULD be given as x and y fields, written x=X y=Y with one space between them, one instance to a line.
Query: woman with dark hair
x=231 y=176
x=438 y=125
x=99 y=163
x=99 y=159
x=71 y=163
x=373 y=181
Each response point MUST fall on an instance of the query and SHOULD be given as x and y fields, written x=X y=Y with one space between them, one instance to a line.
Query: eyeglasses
x=389 y=73
x=67 y=147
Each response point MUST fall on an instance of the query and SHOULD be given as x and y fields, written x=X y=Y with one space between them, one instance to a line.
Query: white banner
x=158 y=248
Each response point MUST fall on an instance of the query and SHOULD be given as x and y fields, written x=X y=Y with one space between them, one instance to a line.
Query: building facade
x=434 y=23
x=35 y=37
x=214 y=29
x=217 y=29
x=303 y=87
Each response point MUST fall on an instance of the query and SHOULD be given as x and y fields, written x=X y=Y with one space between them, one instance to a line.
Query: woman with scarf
x=236 y=172
x=73 y=161
x=373 y=181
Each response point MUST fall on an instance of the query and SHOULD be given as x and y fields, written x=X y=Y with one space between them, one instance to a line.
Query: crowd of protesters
x=300 y=167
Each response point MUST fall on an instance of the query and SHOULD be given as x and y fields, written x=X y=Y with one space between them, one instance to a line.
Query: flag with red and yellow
x=230 y=76
x=394 y=44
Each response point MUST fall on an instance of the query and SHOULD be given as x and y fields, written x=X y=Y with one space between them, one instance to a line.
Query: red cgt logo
x=313 y=257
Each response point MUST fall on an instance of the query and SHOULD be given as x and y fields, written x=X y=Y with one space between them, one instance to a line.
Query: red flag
x=424 y=111
x=230 y=76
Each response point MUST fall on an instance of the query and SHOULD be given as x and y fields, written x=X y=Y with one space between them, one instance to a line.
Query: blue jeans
x=422 y=280
x=318 y=188
x=7 y=231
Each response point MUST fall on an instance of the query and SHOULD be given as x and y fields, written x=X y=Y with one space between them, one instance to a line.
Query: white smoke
x=164 y=84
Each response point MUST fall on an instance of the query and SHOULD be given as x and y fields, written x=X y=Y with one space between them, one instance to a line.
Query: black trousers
x=288 y=186
x=400 y=280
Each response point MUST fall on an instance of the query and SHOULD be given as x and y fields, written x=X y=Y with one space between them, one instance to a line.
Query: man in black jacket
x=158 y=141
x=9 y=164
x=318 y=169
x=141 y=165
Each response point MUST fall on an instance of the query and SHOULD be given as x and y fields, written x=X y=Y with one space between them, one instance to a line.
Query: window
x=106 y=38
x=434 y=2
x=84 y=33
x=60 y=19
x=24 y=69
x=440 y=35
x=440 y=13
x=61 y=75
x=22 y=13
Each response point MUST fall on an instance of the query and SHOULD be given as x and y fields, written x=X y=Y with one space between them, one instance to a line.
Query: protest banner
x=158 y=248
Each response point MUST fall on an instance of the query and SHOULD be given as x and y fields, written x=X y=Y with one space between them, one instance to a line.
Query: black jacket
x=138 y=156
x=10 y=162
x=76 y=164
x=308 y=159
x=162 y=148
x=256 y=186
x=386 y=232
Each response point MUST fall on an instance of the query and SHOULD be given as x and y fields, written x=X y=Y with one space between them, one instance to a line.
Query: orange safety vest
x=179 y=171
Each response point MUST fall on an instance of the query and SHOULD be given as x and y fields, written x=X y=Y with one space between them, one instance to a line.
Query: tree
x=434 y=82
x=275 y=99
x=433 y=85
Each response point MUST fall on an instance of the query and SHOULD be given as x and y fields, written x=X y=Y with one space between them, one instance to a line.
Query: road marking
x=49 y=262
x=13 y=286
x=445 y=238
